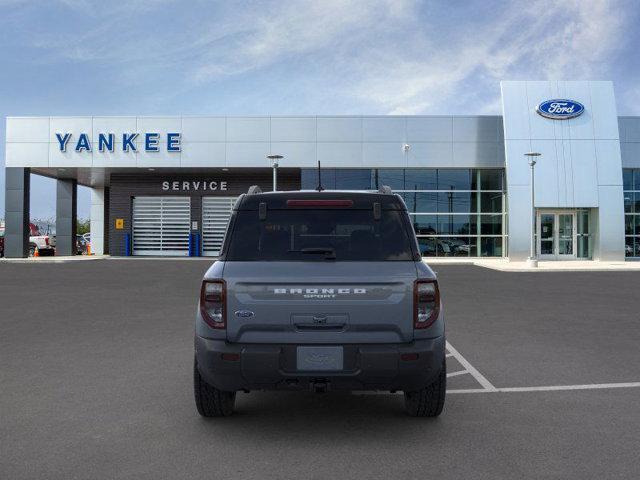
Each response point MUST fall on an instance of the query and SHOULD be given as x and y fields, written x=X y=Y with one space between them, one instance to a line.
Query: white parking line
x=587 y=386
x=455 y=374
x=488 y=387
x=551 y=388
x=471 y=390
x=486 y=384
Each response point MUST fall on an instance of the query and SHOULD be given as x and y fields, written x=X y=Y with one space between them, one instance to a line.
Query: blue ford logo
x=244 y=313
x=560 y=109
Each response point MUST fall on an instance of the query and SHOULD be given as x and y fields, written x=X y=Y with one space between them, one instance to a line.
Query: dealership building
x=166 y=185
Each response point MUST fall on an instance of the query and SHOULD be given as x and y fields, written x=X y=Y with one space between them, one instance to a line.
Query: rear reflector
x=407 y=357
x=231 y=357
x=320 y=203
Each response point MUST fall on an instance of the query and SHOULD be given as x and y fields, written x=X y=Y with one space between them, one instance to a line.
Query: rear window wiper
x=330 y=253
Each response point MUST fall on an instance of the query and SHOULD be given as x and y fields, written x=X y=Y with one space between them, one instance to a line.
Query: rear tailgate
x=320 y=302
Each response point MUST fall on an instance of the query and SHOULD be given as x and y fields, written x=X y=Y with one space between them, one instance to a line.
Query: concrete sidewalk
x=500 y=264
x=504 y=265
x=54 y=259
x=80 y=258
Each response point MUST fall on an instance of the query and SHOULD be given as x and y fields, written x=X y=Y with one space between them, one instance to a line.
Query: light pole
x=274 y=163
x=532 y=261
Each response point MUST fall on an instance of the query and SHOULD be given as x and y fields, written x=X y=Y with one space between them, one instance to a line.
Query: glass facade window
x=454 y=179
x=631 y=182
x=455 y=212
x=491 y=202
x=309 y=178
x=420 y=179
x=394 y=178
x=353 y=179
x=490 y=224
x=491 y=179
x=448 y=246
x=585 y=245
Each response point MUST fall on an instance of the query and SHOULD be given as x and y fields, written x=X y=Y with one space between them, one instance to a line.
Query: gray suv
x=320 y=291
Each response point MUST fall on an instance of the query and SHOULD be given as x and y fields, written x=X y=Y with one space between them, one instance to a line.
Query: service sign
x=560 y=109
x=194 y=185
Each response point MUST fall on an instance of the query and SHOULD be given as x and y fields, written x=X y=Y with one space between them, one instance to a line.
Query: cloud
x=543 y=40
x=392 y=56
x=264 y=34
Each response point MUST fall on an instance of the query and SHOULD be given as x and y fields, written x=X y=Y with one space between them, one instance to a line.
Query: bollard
x=196 y=245
x=127 y=244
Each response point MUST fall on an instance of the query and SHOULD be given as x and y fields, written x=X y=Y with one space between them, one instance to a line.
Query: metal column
x=66 y=217
x=97 y=221
x=17 y=190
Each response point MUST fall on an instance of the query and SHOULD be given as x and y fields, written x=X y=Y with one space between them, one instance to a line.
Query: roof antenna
x=319 y=187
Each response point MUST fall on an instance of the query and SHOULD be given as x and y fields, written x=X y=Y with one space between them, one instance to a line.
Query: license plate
x=314 y=359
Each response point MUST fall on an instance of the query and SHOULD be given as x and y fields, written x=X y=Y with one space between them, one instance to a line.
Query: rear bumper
x=273 y=367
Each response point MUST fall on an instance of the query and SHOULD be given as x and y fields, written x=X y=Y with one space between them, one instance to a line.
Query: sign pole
x=274 y=163
x=532 y=261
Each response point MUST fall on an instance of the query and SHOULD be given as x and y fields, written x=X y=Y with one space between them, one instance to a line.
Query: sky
x=147 y=57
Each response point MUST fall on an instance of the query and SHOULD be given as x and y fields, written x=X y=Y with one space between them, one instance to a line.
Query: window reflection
x=353 y=179
x=631 y=182
x=454 y=179
x=455 y=212
x=393 y=177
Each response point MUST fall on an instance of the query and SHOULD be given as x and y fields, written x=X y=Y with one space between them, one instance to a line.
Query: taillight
x=213 y=303
x=46 y=240
x=426 y=303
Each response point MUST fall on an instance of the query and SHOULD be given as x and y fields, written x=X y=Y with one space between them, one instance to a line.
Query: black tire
x=429 y=401
x=210 y=401
x=32 y=249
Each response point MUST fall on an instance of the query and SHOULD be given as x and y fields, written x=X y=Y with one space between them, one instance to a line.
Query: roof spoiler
x=253 y=190
x=385 y=189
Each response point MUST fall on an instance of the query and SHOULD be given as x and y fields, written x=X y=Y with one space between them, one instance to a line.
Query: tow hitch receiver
x=319 y=385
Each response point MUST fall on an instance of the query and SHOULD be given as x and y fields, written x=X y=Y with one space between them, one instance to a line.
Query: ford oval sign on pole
x=560 y=109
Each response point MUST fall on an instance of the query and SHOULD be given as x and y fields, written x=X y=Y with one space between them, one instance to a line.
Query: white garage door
x=216 y=212
x=161 y=225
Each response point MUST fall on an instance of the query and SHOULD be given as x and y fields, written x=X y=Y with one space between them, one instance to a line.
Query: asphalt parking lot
x=95 y=382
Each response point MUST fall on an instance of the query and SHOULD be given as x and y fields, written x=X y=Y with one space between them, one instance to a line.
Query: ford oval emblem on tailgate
x=244 y=313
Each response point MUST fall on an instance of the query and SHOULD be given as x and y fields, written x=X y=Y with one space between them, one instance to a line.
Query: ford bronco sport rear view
x=320 y=291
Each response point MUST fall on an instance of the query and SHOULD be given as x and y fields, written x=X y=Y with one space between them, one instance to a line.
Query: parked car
x=321 y=291
x=432 y=247
x=1 y=241
x=44 y=243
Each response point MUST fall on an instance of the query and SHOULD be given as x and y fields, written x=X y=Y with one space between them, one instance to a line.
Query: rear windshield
x=309 y=235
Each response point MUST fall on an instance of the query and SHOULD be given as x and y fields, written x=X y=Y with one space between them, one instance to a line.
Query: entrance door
x=566 y=234
x=547 y=228
x=557 y=235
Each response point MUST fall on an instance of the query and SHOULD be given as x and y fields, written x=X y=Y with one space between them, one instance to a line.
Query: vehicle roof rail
x=254 y=189
x=386 y=189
